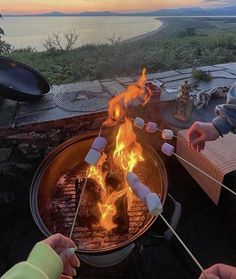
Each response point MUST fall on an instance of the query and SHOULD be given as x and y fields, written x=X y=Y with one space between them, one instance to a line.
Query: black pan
x=21 y=82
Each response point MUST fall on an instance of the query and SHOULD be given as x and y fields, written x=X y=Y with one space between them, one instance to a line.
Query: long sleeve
x=42 y=263
x=225 y=120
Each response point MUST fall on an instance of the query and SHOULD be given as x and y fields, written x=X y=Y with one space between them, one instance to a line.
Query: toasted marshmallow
x=151 y=127
x=154 y=204
x=92 y=157
x=139 y=123
x=99 y=144
x=167 y=134
x=168 y=149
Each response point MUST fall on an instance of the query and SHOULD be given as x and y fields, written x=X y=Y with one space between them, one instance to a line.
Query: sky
x=71 y=6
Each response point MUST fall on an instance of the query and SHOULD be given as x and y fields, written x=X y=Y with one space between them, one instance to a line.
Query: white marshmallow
x=154 y=204
x=92 y=157
x=168 y=149
x=131 y=179
x=139 y=123
x=99 y=144
x=151 y=127
x=141 y=191
x=167 y=134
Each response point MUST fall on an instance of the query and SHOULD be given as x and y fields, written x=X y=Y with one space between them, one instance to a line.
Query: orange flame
x=117 y=105
x=126 y=155
x=108 y=210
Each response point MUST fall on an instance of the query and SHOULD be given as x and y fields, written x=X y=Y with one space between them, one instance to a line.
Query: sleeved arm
x=42 y=263
x=225 y=120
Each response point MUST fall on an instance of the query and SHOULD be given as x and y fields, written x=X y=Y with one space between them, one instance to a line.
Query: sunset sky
x=38 y=6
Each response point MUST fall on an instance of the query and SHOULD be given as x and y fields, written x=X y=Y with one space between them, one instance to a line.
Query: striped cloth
x=217 y=159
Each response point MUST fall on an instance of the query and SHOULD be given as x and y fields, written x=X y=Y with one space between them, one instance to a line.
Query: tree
x=4 y=46
x=54 y=42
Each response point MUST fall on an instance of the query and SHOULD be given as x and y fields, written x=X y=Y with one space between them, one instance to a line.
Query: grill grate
x=84 y=100
x=65 y=199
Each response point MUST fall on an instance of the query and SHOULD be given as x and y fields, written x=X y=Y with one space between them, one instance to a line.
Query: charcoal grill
x=56 y=188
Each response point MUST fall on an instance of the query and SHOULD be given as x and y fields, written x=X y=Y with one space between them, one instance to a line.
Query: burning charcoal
x=99 y=144
x=92 y=157
x=168 y=149
x=151 y=127
x=139 y=123
x=167 y=134
x=122 y=217
x=154 y=204
x=113 y=181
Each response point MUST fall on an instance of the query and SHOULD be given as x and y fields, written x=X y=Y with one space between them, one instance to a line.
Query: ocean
x=33 y=31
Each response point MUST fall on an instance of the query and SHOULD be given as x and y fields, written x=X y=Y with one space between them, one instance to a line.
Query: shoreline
x=148 y=34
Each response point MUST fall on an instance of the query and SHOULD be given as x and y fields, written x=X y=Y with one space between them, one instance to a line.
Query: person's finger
x=209 y=276
x=74 y=261
x=65 y=256
x=65 y=277
x=223 y=271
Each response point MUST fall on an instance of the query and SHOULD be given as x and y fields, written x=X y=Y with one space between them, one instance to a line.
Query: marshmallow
x=151 y=127
x=99 y=144
x=167 y=134
x=92 y=157
x=139 y=189
x=139 y=123
x=154 y=204
x=131 y=179
x=168 y=149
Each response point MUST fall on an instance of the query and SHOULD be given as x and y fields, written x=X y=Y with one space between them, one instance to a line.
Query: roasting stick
x=185 y=247
x=79 y=203
x=77 y=210
x=155 y=207
x=201 y=171
x=169 y=149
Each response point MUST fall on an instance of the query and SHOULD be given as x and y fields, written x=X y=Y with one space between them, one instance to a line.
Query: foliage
x=4 y=46
x=163 y=51
x=201 y=75
x=55 y=42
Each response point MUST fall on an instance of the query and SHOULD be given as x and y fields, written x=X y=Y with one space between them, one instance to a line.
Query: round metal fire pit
x=55 y=192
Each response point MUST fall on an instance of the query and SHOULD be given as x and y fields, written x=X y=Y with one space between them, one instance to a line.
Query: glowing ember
x=125 y=156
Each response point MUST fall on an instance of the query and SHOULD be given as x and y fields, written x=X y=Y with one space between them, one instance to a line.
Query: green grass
x=213 y=41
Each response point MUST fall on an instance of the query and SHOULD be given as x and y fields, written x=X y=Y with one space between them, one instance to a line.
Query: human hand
x=219 y=271
x=59 y=244
x=199 y=133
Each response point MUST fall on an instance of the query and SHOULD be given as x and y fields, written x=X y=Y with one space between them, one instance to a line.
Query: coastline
x=148 y=34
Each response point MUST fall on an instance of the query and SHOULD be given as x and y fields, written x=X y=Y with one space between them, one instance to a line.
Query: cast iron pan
x=21 y=82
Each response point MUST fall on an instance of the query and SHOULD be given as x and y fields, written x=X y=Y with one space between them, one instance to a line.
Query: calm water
x=33 y=31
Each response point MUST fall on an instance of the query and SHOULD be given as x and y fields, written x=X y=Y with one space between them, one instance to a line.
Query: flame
x=128 y=151
x=108 y=210
x=96 y=173
x=126 y=154
x=117 y=106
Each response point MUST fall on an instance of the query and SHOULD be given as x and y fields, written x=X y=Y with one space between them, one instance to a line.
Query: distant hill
x=219 y=11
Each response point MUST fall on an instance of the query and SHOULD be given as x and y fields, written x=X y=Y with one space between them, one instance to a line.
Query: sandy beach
x=149 y=34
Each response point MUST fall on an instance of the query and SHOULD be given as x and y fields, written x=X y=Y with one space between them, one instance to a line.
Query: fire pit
x=88 y=176
x=55 y=192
